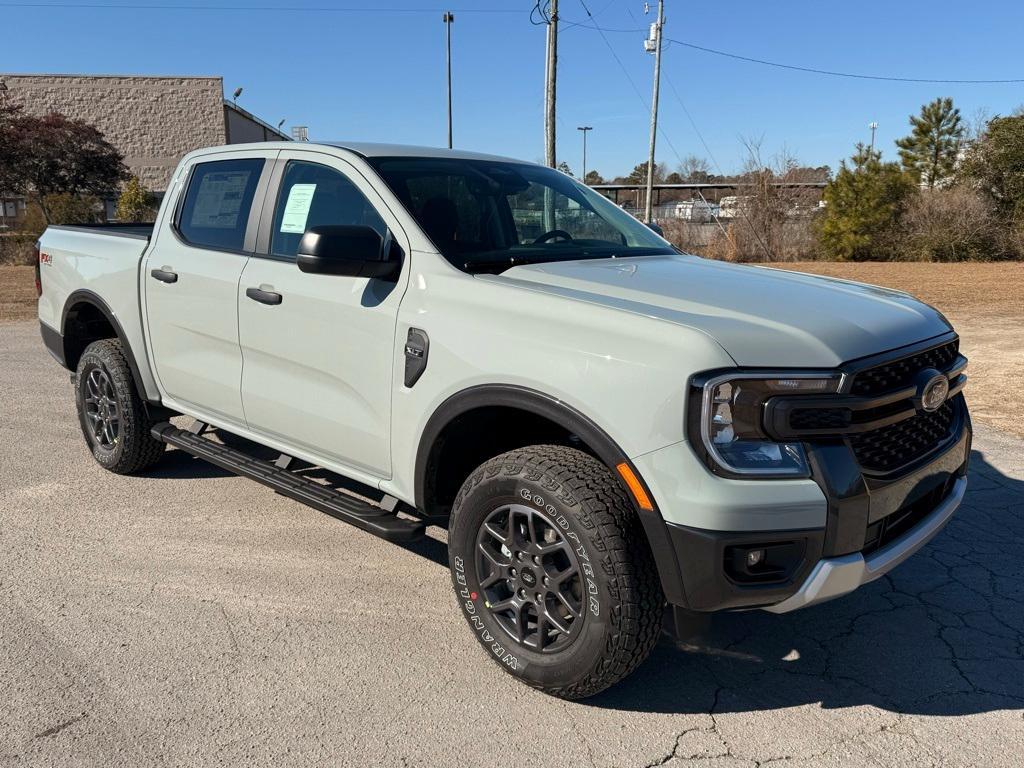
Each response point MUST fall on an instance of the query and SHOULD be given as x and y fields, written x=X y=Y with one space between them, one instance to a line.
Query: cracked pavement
x=194 y=618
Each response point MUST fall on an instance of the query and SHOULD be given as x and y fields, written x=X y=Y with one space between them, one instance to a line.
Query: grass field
x=985 y=302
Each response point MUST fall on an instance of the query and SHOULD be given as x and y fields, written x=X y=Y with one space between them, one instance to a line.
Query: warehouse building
x=152 y=121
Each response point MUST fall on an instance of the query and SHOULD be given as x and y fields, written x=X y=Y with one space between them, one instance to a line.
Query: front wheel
x=111 y=413
x=553 y=572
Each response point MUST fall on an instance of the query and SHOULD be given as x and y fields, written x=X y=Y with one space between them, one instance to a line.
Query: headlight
x=731 y=430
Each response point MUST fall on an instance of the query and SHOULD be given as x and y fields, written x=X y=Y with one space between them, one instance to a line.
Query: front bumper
x=838 y=576
x=864 y=525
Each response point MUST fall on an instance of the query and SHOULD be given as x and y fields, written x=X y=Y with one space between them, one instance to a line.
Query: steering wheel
x=561 y=233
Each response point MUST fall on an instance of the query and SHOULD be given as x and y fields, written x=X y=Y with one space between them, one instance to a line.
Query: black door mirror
x=657 y=228
x=342 y=249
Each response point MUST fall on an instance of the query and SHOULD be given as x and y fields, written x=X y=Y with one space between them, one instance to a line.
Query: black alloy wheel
x=115 y=420
x=101 y=410
x=530 y=577
x=552 y=570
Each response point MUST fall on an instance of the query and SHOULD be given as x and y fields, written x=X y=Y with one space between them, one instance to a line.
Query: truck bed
x=98 y=264
x=137 y=231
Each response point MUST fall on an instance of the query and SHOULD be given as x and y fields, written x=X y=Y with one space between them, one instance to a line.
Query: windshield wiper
x=500 y=265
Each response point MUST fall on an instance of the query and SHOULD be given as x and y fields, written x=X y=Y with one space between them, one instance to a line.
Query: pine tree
x=862 y=206
x=930 y=152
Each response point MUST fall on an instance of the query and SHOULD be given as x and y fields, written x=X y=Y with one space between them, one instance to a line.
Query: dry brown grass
x=17 y=293
x=984 y=301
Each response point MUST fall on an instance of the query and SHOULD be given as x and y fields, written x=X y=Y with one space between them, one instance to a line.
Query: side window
x=216 y=208
x=313 y=195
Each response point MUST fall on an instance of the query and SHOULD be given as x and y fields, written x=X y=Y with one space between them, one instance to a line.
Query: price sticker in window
x=296 y=209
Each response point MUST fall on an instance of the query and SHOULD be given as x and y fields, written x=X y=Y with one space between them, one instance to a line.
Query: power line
x=629 y=78
x=275 y=8
x=832 y=73
x=700 y=136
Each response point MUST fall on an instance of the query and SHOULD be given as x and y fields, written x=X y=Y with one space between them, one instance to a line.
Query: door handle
x=263 y=297
x=165 y=275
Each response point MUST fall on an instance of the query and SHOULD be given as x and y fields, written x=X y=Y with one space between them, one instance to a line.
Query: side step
x=361 y=514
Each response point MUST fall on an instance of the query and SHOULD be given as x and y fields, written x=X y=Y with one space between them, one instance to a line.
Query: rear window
x=216 y=209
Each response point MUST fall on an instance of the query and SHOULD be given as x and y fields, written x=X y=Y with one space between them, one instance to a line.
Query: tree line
x=954 y=195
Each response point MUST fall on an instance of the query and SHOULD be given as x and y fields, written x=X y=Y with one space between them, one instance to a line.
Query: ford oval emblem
x=933 y=390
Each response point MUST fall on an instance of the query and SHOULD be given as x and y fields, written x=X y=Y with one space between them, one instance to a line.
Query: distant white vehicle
x=731 y=206
x=687 y=210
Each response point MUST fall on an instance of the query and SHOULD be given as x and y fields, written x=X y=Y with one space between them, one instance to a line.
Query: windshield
x=487 y=216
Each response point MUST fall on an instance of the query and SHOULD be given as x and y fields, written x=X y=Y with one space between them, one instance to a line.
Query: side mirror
x=657 y=229
x=350 y=250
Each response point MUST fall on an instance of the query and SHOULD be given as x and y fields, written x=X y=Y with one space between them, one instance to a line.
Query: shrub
x=63 y=209
x=793 y=239
x=954 y=224
x=17 y=248
x=135 y=204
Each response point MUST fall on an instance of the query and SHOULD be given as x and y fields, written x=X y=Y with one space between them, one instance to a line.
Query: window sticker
x=296 y=210
x=219 y=200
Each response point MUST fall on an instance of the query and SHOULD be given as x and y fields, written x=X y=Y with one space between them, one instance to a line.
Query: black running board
x=359 y=513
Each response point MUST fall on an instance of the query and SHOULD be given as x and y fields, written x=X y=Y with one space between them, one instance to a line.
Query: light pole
x=448 y=19
x=583 y=129
x=874 y=127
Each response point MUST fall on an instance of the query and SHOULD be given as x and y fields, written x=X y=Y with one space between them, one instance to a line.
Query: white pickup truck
x=604 y=425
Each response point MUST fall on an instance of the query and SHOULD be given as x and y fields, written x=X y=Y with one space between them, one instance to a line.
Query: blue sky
x=379 y=74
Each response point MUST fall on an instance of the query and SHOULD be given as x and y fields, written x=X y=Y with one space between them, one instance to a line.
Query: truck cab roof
x=365 y=149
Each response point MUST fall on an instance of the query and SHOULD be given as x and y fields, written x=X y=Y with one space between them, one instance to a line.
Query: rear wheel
x=111 y=413
x=553 y=572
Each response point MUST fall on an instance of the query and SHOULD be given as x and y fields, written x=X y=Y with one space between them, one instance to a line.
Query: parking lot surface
x=189 y=617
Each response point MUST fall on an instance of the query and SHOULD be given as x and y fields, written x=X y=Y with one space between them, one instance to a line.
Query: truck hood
x=760 y=316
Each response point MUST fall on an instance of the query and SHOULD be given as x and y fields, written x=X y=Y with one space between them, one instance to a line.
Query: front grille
x=900 y=373
x=883 y=531
x=836 y=419
x=889 y=448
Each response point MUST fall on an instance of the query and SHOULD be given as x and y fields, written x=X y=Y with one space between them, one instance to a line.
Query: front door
x=317 y=366
x=191 y=284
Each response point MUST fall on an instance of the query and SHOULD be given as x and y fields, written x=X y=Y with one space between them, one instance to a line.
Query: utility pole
x=551 y=73
x=874 y=127
x=448 y=18
x=584 y=129
x=648 y=209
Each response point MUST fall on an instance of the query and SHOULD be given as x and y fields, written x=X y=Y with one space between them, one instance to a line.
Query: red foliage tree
x=55 y=154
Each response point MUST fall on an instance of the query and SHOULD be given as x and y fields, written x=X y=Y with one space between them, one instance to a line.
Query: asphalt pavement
x=189 y=617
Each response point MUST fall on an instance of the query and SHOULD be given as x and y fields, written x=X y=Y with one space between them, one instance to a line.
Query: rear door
x=318 y=362
x=191 y=278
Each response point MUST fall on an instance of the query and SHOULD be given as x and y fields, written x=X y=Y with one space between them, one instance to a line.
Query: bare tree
x=695 y=170
x=773 y=222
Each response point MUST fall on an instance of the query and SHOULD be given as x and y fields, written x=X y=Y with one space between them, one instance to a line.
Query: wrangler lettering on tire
x=552 y=570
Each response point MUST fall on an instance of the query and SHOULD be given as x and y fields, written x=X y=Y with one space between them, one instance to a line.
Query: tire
x=113 y=418
x=560 y=509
